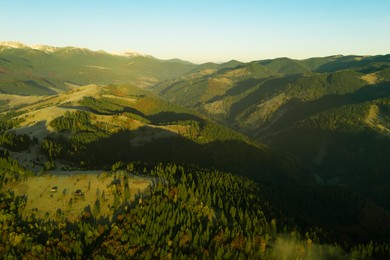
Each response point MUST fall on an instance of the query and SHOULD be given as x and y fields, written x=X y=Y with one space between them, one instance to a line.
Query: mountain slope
x=95 y=127
x=329 y=117
x=51 y=69
x=332 y=112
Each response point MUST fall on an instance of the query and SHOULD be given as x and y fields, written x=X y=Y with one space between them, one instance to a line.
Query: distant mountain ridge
x=46 y=70
x=273 y=100
x=313 y=136
x=50 y=49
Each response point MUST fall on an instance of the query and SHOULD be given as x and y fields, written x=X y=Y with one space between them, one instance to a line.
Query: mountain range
x=313 y=134
x=48 y=70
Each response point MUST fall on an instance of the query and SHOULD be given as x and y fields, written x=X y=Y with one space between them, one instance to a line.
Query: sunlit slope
x=95 y=126
x=332 y=112
x=28 y=71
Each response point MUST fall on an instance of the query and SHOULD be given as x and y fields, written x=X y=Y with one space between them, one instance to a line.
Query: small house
x=78 y=193
x=54 y=189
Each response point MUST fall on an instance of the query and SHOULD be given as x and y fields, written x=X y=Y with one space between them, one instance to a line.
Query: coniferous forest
x=271 y=159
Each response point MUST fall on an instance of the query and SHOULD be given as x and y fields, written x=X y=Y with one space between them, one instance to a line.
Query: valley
x=106 y=155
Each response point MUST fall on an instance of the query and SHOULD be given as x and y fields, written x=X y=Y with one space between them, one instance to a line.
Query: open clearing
x=372 y=119
x=370 y=79
x=65 y=201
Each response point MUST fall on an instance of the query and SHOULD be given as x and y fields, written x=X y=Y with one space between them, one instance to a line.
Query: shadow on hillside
x=154 y=145
x=242 y=86
x=165 y=117
x=162 y=118
x=337 y=209
x=296 y=110
x=269 y=87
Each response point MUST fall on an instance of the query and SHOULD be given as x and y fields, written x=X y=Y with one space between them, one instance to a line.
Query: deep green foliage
x=15 y=142
x=11 y=171
x=7 y=121
x=348 y=119
x=187 y=213
x=72 y=145
x=77 y=121
x=8 y=138
x=332 y=114
x=213 y=146
x=102 y=106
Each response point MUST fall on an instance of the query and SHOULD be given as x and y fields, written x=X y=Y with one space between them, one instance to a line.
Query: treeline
x=313 y=85
x=74 y=122
x=77 y=132
x=156 y=112
x=187 y=212
x=193 y=213
x=8 y=121
x=9 y=139
x=10 y=170
x=348 y=119
x=101 y=106
x=16 y=142
x=95 y=145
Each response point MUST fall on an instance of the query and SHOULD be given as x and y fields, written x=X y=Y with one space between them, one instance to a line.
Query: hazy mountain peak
x=19 y=45
x=130 y=53
x=13 y=45
x=44 y=48
x=76 y=50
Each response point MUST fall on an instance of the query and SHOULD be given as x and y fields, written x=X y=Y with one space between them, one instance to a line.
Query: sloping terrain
x=25 y=70
x=306 y=141
x=281 y=101
x=95 y=126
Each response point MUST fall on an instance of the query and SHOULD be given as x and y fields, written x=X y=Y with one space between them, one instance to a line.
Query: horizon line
x=132 y=53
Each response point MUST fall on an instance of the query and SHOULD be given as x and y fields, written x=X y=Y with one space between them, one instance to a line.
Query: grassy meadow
x=100 y=190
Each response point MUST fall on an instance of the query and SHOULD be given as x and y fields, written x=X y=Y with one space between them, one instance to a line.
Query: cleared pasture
x=57 y=194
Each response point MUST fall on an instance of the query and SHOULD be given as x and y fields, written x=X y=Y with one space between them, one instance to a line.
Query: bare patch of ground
x=370 y=79
x=372 y=119
x=372 y=115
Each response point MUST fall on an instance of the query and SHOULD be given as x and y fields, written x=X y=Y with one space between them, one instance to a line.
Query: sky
x=203 y=30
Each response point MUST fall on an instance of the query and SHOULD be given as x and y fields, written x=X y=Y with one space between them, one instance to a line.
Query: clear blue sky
x=203 y=30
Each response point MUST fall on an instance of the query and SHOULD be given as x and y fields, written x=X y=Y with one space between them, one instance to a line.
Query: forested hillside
x=331 y=113
x=187 y=212
x=124 y=123
x=105 y=156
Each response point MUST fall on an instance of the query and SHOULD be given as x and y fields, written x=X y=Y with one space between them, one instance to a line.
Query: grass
x=45 y=204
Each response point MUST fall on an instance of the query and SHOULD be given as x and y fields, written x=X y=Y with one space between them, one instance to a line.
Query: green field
x=108 y=189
